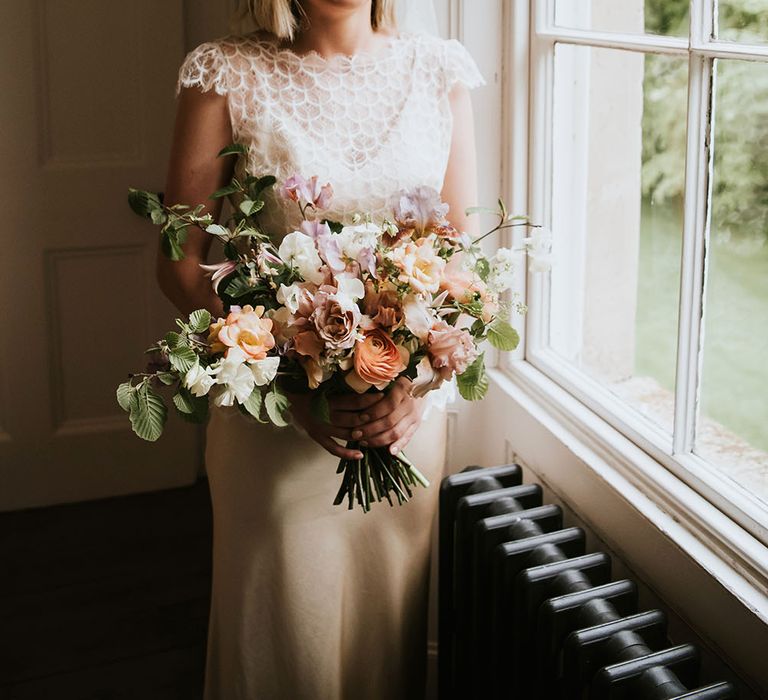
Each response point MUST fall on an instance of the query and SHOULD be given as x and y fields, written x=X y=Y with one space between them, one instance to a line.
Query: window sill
x=705 y=566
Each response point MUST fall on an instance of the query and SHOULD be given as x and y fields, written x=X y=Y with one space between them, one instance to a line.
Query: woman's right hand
x=347 y=412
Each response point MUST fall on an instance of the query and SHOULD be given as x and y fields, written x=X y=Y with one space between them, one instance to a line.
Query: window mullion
x=698 y=178
x=540 y=164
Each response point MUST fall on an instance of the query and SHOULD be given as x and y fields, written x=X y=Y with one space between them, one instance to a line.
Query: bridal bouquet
x=334 y=307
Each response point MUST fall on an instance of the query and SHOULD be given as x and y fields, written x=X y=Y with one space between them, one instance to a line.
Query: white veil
x=417 y=16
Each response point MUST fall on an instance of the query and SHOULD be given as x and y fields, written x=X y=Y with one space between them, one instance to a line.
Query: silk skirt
x=312 y=601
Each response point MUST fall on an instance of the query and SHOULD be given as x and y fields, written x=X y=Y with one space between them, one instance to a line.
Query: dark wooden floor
x=106 y=600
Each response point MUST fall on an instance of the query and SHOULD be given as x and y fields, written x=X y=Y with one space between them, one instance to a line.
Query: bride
x=312 y=601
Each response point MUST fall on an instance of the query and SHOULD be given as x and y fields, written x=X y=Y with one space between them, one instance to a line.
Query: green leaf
x=183 y=401
x=502 y=336
x=125 y=392
x=234 y=149
x=262 y=184
x=502 y=208
x=483 y=268
x=230 y=251
x=172 y=238
x=238 y=287
x=250 y=207
x=166 y=378
x=182 y=359
x=473 y=384
x=253 y=404
x=192 y=408
x=226 y=190
x=148 y=414
x=144 y=203
x=276 y=403
x=175 y=340
x=478 y=327
x=158 y=216
x=200 y=320
x=320 y=407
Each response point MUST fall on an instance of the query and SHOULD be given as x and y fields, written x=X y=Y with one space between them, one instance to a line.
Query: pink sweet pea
x=308 y=192
x=219 y=271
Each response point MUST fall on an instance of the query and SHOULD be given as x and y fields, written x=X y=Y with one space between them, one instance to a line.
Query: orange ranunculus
x=244 y=328
x=377 y=361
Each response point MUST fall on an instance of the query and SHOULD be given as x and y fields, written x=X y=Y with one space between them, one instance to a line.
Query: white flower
x=418 y=318
x=289 y=296
x=539 y=247
x=348 y=290
x=235 y=377
x=502 y=275
x=354 y=239
x=426 y=379
x=264 y=371
x=198 y=380
x=298 y=249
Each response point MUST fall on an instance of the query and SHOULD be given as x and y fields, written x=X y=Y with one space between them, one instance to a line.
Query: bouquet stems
x=377 y=476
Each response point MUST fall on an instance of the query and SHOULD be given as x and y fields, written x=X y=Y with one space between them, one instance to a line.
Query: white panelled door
x=86 y=111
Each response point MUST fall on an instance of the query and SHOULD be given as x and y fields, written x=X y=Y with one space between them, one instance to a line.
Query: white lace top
x=370 y=124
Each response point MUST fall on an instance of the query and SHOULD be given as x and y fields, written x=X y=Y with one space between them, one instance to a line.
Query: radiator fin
x=525 y=612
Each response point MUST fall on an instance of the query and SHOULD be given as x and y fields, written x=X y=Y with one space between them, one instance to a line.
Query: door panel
x=88 y=111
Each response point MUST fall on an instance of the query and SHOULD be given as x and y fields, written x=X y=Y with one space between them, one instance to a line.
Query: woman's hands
x=374 y=420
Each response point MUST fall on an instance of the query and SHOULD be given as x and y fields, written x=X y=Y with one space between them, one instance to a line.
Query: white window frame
x=527 y=175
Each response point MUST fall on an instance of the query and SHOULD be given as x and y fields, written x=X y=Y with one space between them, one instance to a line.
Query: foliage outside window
x=656 y=118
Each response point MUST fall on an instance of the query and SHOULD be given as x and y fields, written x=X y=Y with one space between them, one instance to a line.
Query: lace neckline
x=315 y=58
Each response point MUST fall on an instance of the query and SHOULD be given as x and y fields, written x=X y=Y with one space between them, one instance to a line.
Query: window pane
x=743 y=20
x=666 y=17
x=733 y=425
x=618 y=180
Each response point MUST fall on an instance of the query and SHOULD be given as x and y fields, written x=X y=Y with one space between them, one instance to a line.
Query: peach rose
x=450 y=349
x=308 y=343
x=244 y=328
x=383 y=306
x=460 y=284
x=377 y=361
x=420 y=265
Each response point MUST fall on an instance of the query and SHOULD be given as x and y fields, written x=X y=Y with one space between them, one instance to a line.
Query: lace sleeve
x=204 y=67
x=459 y=66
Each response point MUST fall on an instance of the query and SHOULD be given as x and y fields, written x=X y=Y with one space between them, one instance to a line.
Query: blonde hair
x=282 y=18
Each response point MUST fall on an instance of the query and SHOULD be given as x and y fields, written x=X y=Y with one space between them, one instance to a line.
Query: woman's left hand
x=391 y=421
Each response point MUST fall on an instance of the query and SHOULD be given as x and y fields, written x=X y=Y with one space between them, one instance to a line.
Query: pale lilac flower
x=419 y=210
x=358 y=244
x=219 y=271
x=315 y=229
x=326 y=243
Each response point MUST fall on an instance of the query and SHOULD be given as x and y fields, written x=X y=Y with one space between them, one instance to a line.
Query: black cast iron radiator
x=525 y=613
